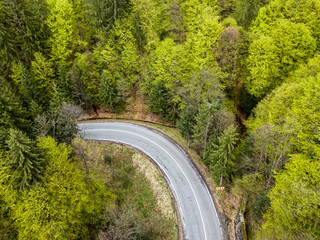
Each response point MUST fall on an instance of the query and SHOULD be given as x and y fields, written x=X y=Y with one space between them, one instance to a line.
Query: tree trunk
x=221 y=180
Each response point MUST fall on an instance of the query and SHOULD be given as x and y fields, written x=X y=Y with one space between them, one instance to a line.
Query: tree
x=85 y=80
x=104 y=13
x=108 y=90
x=60 y=22
x=247 y=10
x=227 y=53
x=43 y=73
x=23 y=29
x=25 y=160
x=294 y=211
x=63 y=82
x=12 y=112
x=274 y=55
x=64 y=204
x=221 y=160
x=203 y=125
x=302 y=11
x=295 y=100
x=60 y=123
x=185 y=123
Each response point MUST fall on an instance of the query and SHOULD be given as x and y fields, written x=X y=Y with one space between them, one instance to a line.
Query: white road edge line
x=204 y=228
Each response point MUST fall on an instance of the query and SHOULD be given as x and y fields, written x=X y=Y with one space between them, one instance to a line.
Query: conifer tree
x=108 y=91
x=43 y=73
x=185 y=123
x=222 y=158
x=63 y=83
x=12 y=112
x=24 y=158
x=203 y=126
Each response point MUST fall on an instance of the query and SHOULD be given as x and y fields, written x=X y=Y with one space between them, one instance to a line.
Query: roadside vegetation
x=238 y=78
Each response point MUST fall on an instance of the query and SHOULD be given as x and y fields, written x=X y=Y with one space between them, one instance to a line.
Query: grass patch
x=136 y=211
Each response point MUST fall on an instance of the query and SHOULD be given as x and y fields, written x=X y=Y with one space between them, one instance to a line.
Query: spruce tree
x=25 y=159
x=203 y=126
x=185 y=123
x=108 y=91
x=222 y=158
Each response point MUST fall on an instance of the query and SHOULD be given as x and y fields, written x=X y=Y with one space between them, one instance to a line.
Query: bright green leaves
x=43 y=73
x=293 y=31
x=274 y=55
x=60 y=22
x=295 y=201
x=294 y=102
x=263 y=63
x=203 y=30
x=63 y=205
x=302 y=11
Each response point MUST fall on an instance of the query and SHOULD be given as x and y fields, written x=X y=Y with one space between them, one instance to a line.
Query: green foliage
x=221 y=159
x=203 y=127
x=108 y=90
x=62 y=205
x=302 y=11
x=227 y=53
x=12 y=112
x=185 y=123
x=260 y=204
x=25 y=161
x=104 y=13
x=23 y=30
x=273 y=56
x=203 y=30
x=60 y=22
x=43 y=74
x=295 y=102
x=294 y=212
x=86 y=81
x=247 y=10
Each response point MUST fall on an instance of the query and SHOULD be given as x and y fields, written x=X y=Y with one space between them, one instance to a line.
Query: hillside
x=238 y=78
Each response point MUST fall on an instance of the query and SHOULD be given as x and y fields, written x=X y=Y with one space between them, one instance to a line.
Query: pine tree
x=108 y=91
x=203 y=126
x=43 y=73
x=221 y=159
x=63 y=81
x=24 y=158
x=185 y=123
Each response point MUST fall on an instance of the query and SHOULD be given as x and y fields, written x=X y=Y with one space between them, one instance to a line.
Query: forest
x=240 y=79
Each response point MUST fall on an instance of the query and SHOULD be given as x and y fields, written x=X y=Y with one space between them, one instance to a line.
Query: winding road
x=197 y=211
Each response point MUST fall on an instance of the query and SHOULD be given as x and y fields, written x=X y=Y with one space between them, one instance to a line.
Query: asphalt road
x=197 y=211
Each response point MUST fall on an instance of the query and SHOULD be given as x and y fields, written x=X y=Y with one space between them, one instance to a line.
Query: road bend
x=197 y=211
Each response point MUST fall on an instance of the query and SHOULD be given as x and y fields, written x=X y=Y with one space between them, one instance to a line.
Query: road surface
x=197 y=211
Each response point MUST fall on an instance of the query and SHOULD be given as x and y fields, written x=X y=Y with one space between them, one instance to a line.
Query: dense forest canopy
x=239 y=78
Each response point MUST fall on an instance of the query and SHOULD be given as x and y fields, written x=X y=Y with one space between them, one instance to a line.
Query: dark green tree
x=108 y=91
x=104 y=13
x=12 y=112
x=64 y=84
x=204 y=125
x=247 y=10
x=222 y=157
x=185 y=123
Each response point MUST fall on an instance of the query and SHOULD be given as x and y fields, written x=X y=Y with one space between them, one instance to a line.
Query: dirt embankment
x=135 y=109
